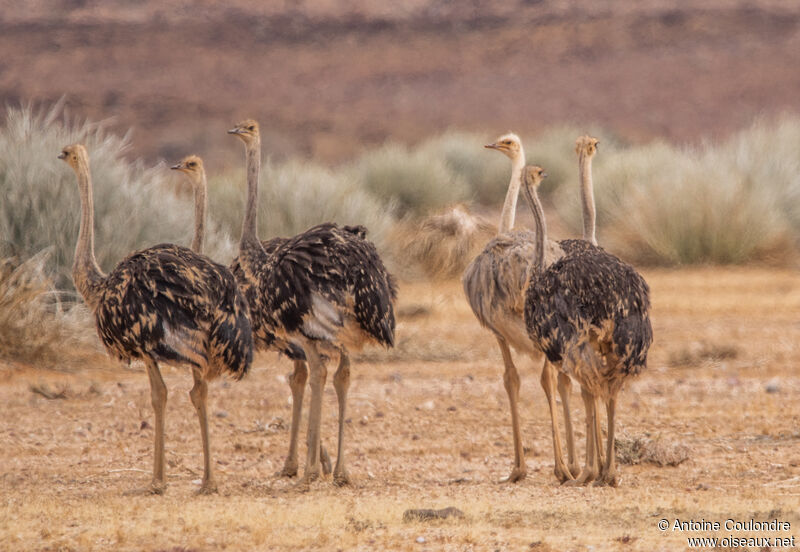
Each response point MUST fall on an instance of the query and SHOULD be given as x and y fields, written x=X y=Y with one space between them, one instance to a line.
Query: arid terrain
x=328 y=78
x=427 y=427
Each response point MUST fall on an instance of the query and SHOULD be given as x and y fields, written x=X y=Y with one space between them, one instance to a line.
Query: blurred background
x=328 y=78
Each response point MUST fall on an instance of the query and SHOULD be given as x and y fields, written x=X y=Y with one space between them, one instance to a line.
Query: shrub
x=416 y=181
x=296 y=195
x=725 y=203
x=134 y=207
x=36 y=323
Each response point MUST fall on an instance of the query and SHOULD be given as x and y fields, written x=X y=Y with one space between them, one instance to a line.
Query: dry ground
x=428 y=428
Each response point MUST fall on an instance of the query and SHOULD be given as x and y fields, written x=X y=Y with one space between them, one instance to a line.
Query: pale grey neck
x=85 y=270
x=540 y=225
x=200 y=210
x=249 y=226
x=587 y=196
x=510 y=204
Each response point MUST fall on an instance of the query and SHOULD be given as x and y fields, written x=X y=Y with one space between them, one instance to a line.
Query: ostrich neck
x=249 y=231
x=587 y=195
x=539 y=224
x=510 y=204
x=85 y=272
x=200 y=209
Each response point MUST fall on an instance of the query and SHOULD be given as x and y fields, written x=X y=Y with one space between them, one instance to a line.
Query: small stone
x=772 y=386
x=421 y=540
x=221 y=414
x=428 y=405
x=144 y=425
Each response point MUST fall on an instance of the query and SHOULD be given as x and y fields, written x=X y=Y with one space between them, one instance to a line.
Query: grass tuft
x=39 y=325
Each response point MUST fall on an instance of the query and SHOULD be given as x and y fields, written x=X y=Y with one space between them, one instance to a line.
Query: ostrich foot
x=341 y=478
x=586 y=477
x=289 y=469
x=517 y=474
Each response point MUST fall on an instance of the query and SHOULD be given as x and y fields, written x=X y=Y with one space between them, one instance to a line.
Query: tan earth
x=428 y=427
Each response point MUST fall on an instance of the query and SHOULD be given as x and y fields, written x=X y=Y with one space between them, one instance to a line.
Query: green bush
x=416 y=181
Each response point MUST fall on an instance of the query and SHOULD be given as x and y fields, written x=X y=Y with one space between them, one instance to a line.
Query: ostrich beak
x=62 y=155
x=176 y=167
x=235 y=131
x=544 y=175
x=492 y=146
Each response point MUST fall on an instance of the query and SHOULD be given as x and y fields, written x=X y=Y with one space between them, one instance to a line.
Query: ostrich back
x=171 y=304
x=249 y=267
x=590 y=312
x=496 y=280
x=328 y=284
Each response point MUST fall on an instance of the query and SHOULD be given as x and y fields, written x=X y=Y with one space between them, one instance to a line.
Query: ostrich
x=588 y=313
x=192 y=167
x=163 y=304
x=494 y=284
x=322 y=292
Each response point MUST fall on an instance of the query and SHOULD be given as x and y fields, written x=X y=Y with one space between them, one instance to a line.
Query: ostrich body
x=163 y=304
x=494 y=284
x=589 y=313
x=322 y=292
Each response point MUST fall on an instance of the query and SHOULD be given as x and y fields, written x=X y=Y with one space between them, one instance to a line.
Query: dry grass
x=421 y=434
x=37 y=325
x=441 y=245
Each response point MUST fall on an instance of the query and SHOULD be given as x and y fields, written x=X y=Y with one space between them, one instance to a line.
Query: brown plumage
x=495 y=284
x=163 y=304
x=322 y=292
x=589 y=313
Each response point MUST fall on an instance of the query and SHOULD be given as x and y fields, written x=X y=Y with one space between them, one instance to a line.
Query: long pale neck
x=200 y=210
x=85 y=272
x=539 y=224
x=249 y=230
x=587 y=196
x=510 y=204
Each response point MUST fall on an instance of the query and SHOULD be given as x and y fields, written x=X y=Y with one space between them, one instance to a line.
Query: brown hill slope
x=326 y=78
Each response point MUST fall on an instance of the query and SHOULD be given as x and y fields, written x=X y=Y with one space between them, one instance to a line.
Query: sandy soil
x=428 y=427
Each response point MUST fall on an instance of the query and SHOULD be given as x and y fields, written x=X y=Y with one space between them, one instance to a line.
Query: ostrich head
x=75 y=155
x=532 y=176
x=191 y=166
x=586 y=145
x=247 y=131
x=509 y=144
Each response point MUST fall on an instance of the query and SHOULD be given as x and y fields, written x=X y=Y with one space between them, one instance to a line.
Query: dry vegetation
x=429 y=430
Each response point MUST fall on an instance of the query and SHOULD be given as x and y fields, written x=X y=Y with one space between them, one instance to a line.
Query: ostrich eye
x=251 y=128
x=192 y=164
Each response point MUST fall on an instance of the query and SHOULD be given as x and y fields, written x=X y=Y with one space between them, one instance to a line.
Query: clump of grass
x=134 y=206
x=416 y=181
x=37 y=325
x=722 y=203
x=441 y=245
x=296 y=195
x=640 y=449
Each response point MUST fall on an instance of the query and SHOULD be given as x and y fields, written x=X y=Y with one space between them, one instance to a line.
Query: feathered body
x=173 y=305
x=320 y=293
x=495 y=282
x=589 y=312
x=164 y=304
x=327 y=283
